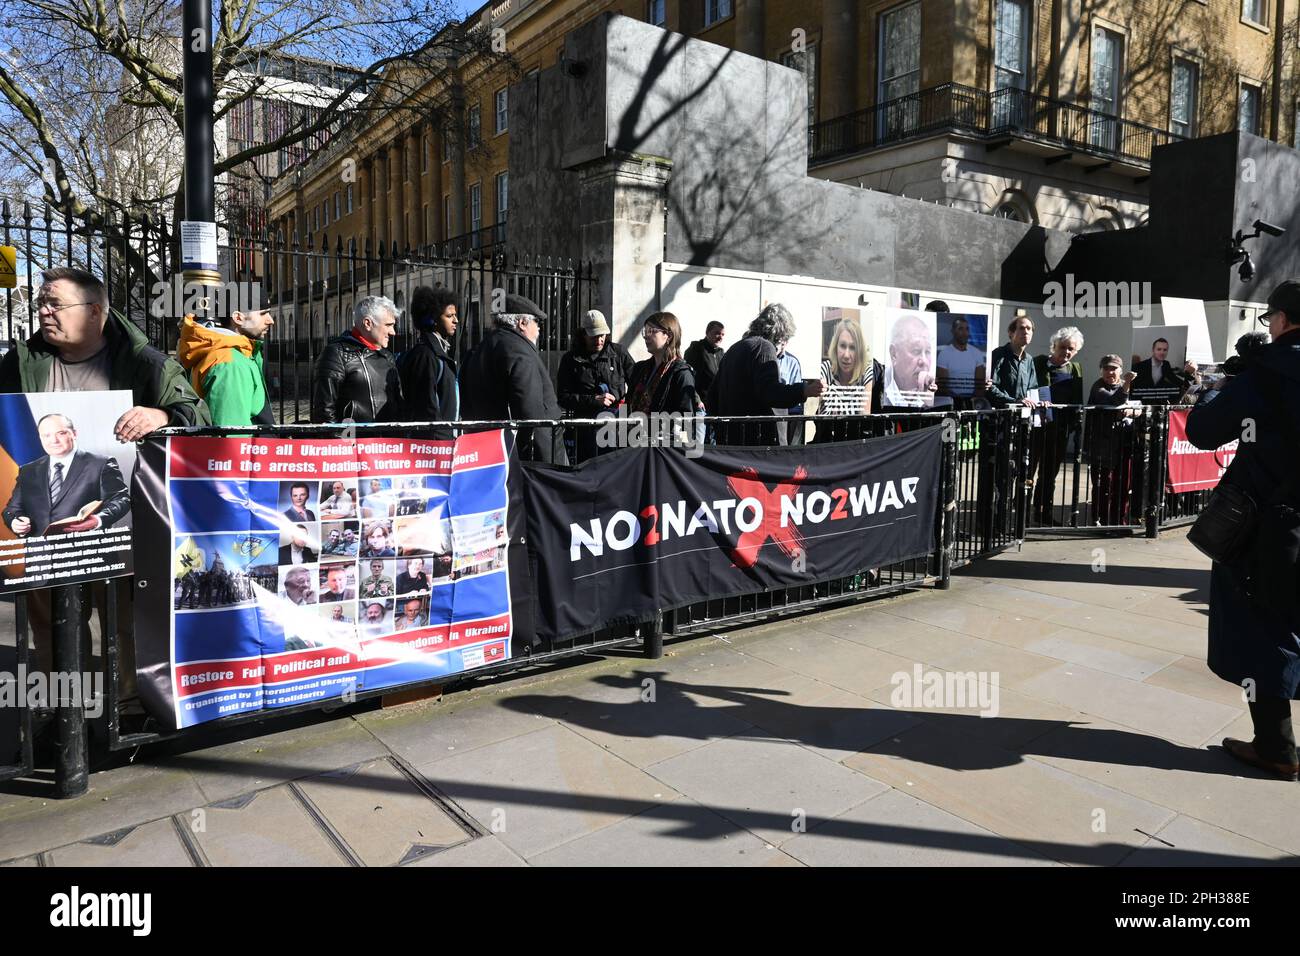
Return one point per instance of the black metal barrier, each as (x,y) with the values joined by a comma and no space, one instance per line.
(1103,470)
(989,461)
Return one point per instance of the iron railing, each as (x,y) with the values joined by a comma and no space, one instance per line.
(1006,112)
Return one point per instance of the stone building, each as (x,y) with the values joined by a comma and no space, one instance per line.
(1041,111)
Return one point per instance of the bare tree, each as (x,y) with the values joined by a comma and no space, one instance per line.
(91,92)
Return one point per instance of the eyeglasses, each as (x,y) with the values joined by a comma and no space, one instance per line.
(655,329)
(1264,318)
(49,305)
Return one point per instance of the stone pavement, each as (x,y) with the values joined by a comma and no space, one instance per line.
(775,745)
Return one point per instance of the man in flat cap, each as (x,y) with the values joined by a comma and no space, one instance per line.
(506,378)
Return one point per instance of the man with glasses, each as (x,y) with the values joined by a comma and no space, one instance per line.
(83,346)
(505,377)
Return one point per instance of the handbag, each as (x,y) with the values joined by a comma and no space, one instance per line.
(1226,525)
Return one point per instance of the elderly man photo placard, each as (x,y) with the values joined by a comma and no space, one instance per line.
(64,482)
(908,354)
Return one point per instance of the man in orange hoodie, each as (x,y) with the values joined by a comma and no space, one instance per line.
(224,360)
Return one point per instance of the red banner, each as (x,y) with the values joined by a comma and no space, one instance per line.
(1188,468)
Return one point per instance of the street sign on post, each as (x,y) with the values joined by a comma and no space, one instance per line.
(8,267)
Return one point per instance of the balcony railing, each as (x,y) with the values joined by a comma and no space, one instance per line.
(954,108)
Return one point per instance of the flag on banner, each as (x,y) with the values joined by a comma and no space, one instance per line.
(189,557)
(249,547)
(19,444)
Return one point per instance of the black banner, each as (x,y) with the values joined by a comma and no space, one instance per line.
(642,530)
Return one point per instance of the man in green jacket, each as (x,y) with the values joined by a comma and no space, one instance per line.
(83,346)
(224,360)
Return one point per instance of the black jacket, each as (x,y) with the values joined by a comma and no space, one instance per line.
(286,555)
(675,391)
(1144,388)
(427,374)
(1248,638)
(354,382)
(749,383)
(505,378)
(704,358)
(581,375)
(89,478)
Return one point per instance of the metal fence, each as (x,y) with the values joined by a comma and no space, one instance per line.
(93,617)
(1099,470)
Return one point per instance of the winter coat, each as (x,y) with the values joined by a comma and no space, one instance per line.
(354,381)
(226,371)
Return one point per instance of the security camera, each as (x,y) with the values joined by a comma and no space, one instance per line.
(1247,269)
(1262,226)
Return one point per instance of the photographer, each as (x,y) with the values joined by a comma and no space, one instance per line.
(1254,629)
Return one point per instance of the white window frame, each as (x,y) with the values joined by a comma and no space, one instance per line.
(349,205)
(1263,12)
(501,110)
(902,116)
(661,6)
(474,126)
(1104,132)
(1194,96)
(715,11)
(1026,45)
(502,195)
(800,61)
(1258,88)
(474,202)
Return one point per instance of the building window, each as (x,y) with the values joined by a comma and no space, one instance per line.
(338,206)
(1248,109)
(475,123)
(428,225)
(503,195)
(446,217)
(424,154)
(899,56)
(325,213)
(1011,46)
(349,206)
(1253,10)
(656,12)
(1009,210)
(389,162)
(475,207)
(501,102)
(446,146)
(715,10)
(1182,98)
(1295,134)
(1107,66)
(805,61)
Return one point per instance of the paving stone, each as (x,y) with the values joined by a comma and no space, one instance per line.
(842,664)
(896,829)
(267,828)
(738,779)
(121,797)
(870,627)
(1164,713)
(676,834)
(1019,719)
(381,814)
(1102,653)
(545,788)
(260,762)
(1166,635)
(21,861)
(426,731)
(151,844)
(1005,627)
(1206,784)
(954,651)
(1188,675)
(1193,614)
(1042,807)
(1185,841)
(484,851)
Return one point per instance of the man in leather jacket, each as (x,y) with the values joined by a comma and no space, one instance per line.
(356,376)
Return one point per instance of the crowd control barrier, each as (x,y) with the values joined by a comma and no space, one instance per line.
(982,502)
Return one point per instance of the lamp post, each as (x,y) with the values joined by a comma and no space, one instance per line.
(199,228)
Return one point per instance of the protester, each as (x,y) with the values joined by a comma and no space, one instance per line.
(664,382)
(1155,380)
(1109,441)
(224,359)
(1063,377)
(427,370)
(909,377)
(84,346)
(593,378)
(506,378)
(1254,626)
(704,355)
(959,368)
(749,381)
(791,433)
(1012,381)
(356,378)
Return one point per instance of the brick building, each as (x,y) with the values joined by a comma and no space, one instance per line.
(1045,111)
